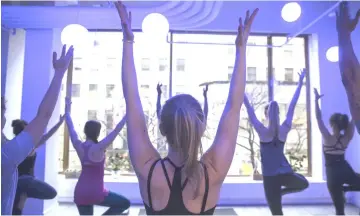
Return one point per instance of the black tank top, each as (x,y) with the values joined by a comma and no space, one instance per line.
(27,166)
(176,204)
(337,147)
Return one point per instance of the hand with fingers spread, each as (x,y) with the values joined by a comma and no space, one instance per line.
(245,28)
(344,23)
(158,88)
(302,75)
(317,95)
(205,90)
(125,18)
(61,65)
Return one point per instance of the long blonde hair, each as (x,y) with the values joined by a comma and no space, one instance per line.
(183,124)
(274,119)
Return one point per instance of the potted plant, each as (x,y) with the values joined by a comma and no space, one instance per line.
(72,173)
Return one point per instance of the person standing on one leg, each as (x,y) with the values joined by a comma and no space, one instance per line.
(28,185)
(348,63)
(14,151)
(338,170)
(89,189)
(276,170)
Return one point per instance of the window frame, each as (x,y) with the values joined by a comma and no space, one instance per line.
(172,67)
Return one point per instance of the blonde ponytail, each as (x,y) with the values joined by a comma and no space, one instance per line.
(188,132)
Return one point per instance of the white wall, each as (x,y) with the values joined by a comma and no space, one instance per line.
(14,77)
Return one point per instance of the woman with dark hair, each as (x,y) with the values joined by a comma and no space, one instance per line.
(28,186)
(14,151)
(89,189)
(338,170)
(180,184)
(279,177)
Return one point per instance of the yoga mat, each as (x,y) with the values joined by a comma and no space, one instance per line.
(218,211)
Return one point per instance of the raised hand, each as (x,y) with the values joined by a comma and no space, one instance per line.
(125,18)
(67,105)
(317,95)
(205,90)
(244,29)
(344,23)
(61,119)
(158,88)
(302,74)
(61,65)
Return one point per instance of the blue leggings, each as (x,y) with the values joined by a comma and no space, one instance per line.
(117,203)
(33,188)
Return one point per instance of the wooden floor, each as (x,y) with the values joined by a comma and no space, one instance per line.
(70,209)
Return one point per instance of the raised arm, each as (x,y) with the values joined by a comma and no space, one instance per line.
(323,130)
(70,125)
(16,150)
(142,152)
(38,125)
(206,107)
(103,144)
(51,132)
(158,102)
(220,155)
(259,127)
(349,133)
(294,100)
(348,63)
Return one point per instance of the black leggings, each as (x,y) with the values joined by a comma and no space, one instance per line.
(277,186)
(117,205)
(340,173)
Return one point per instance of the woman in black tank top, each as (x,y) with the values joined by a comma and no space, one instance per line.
(28,185)
(180,184)
(338,170)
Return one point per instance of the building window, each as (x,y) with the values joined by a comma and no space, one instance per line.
(230,72)
(288,54)
(109,119)
(145,64)
(180,64)
(110,90)
(289,75)
(231,50)
(75,90)
(145,86)
(92,115)
(251,74)
(163,64)
(93,87)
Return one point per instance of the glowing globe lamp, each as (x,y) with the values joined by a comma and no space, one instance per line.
(332,54)
(155,26)
(291,12)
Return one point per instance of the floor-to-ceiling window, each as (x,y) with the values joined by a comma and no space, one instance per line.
(192,59)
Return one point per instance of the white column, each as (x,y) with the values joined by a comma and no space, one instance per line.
(13,67)
(38,73)
(4,56)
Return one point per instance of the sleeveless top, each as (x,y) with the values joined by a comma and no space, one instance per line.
(89,189)
(273,160)
(175,205)
(332,159)
(27,166)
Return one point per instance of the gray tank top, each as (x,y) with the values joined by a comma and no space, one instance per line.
(273,160)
